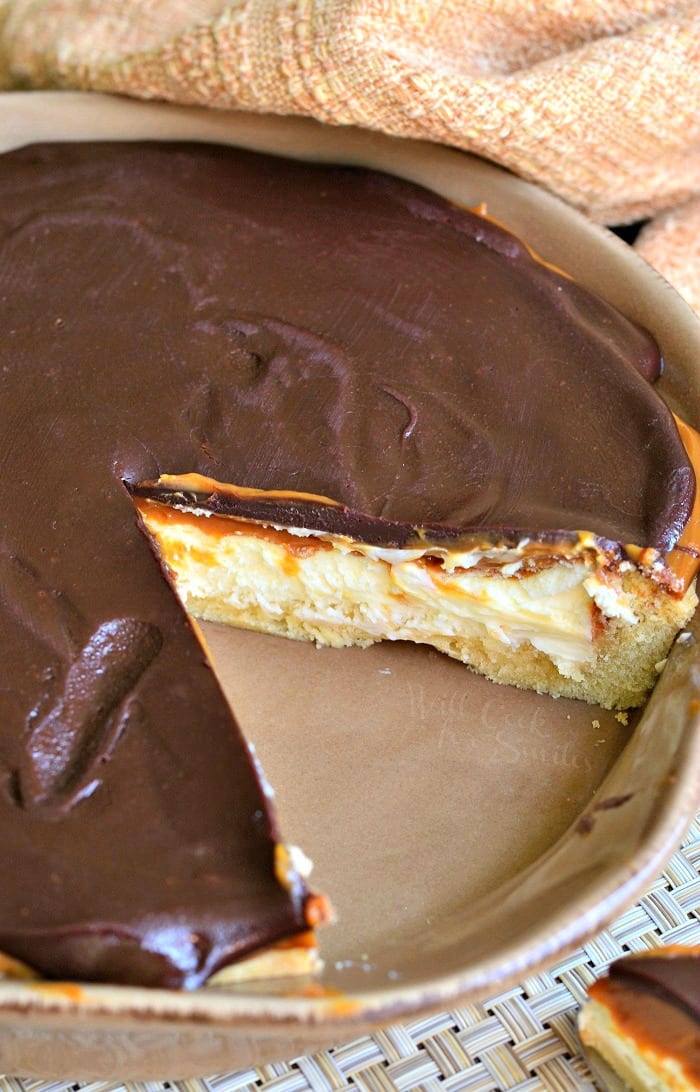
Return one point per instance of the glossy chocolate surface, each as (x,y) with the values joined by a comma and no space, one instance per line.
(278,326)
(675,978)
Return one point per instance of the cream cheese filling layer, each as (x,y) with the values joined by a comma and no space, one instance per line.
(338,591)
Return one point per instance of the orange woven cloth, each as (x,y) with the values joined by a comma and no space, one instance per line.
(598,102)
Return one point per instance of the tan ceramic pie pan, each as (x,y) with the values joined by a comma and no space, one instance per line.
(468,834)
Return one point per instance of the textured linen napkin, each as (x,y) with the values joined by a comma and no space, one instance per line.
(597,100)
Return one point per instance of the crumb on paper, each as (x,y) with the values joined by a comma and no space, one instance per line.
(659,666)
(685,637)
(622,717)
(595,723)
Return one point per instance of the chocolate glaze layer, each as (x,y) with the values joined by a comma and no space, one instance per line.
(675,979)
(429,374)
(279,326)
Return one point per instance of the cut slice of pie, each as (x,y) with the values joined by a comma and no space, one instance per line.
(643,1018)
(570,617)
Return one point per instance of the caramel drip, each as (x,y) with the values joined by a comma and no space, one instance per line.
(684,560)
(482,210)
(199,483)
(68,991)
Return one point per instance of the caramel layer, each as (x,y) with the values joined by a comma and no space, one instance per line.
(654,1023)
(684,560)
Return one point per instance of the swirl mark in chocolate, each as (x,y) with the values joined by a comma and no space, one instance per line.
(65,749)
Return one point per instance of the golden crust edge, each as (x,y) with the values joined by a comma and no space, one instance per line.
(641,1067)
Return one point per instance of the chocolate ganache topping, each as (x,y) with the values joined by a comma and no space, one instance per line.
(675,979)
(278,326)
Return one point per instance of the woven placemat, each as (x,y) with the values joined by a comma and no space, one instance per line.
(522,1040)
